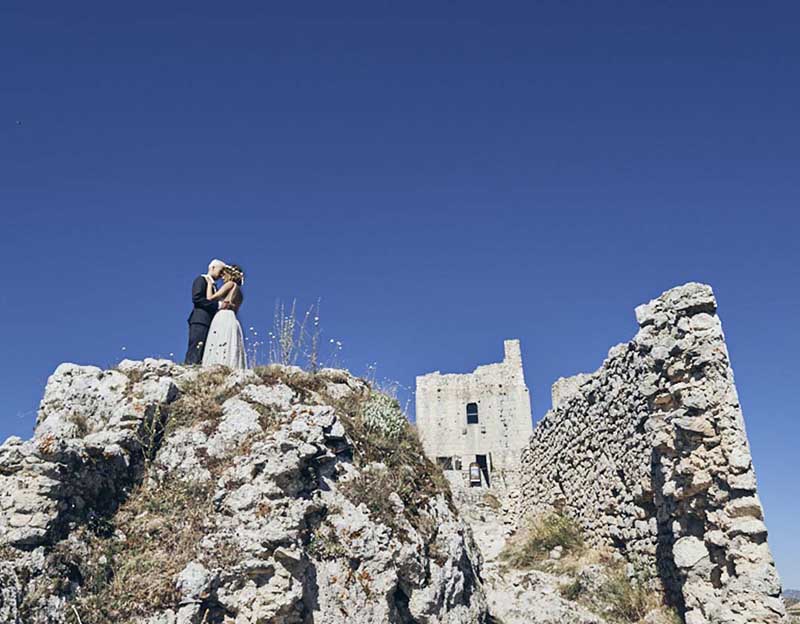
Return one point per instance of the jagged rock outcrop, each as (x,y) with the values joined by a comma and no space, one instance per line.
(161,494)
(649,454)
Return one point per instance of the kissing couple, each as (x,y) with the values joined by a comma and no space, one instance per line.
(215,335)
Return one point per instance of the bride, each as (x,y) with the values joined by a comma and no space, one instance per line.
(225,344)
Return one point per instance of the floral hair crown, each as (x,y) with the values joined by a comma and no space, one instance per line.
(235,273)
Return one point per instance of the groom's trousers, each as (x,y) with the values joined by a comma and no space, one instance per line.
(198,332)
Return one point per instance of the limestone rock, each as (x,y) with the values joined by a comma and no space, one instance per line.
(194,582)
(662,409)
(251,500)
(688,552)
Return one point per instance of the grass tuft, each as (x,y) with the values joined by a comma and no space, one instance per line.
(200,401)
(627,599)
(305,384)
(534,543)
(492,502)
(618,597)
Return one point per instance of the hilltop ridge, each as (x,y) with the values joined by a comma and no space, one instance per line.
(163,494)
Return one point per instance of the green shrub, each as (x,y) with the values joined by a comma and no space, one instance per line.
(382,413)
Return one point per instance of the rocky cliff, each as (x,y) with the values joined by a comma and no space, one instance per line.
(161,494)
(649,455)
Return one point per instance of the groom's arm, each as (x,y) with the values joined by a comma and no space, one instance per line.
(199,293)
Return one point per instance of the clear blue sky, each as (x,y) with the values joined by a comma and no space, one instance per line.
(443,175)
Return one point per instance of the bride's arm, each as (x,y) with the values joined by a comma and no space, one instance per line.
(221,293)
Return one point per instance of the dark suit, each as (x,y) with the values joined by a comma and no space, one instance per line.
(199,321)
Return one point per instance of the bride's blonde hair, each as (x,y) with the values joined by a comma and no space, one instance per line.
(233,273)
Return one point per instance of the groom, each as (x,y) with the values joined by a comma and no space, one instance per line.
(202,313)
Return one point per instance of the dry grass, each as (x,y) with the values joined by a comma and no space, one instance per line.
(793,609)
(492,502)
(131,576)
(408,472)
(618,598)
(372,488)
(129,568)
(532,545)
(200,401)
(8,553)
(269,418)
(81,424)
(305,384)
(627,599)
(573,590)
(134,375)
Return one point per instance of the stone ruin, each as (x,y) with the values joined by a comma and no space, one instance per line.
(649,455)
(475,425)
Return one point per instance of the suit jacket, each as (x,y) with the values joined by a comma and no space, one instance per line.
(204,310)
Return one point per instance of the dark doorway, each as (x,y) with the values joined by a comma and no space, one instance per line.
(484,466)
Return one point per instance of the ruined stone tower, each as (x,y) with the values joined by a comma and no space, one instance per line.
(475,425)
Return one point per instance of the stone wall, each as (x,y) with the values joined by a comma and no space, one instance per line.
(649,454)
(504,415)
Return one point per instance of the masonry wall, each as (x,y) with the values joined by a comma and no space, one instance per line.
(649,454)
(504,412)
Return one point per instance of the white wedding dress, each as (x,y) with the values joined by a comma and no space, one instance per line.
(225,342)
